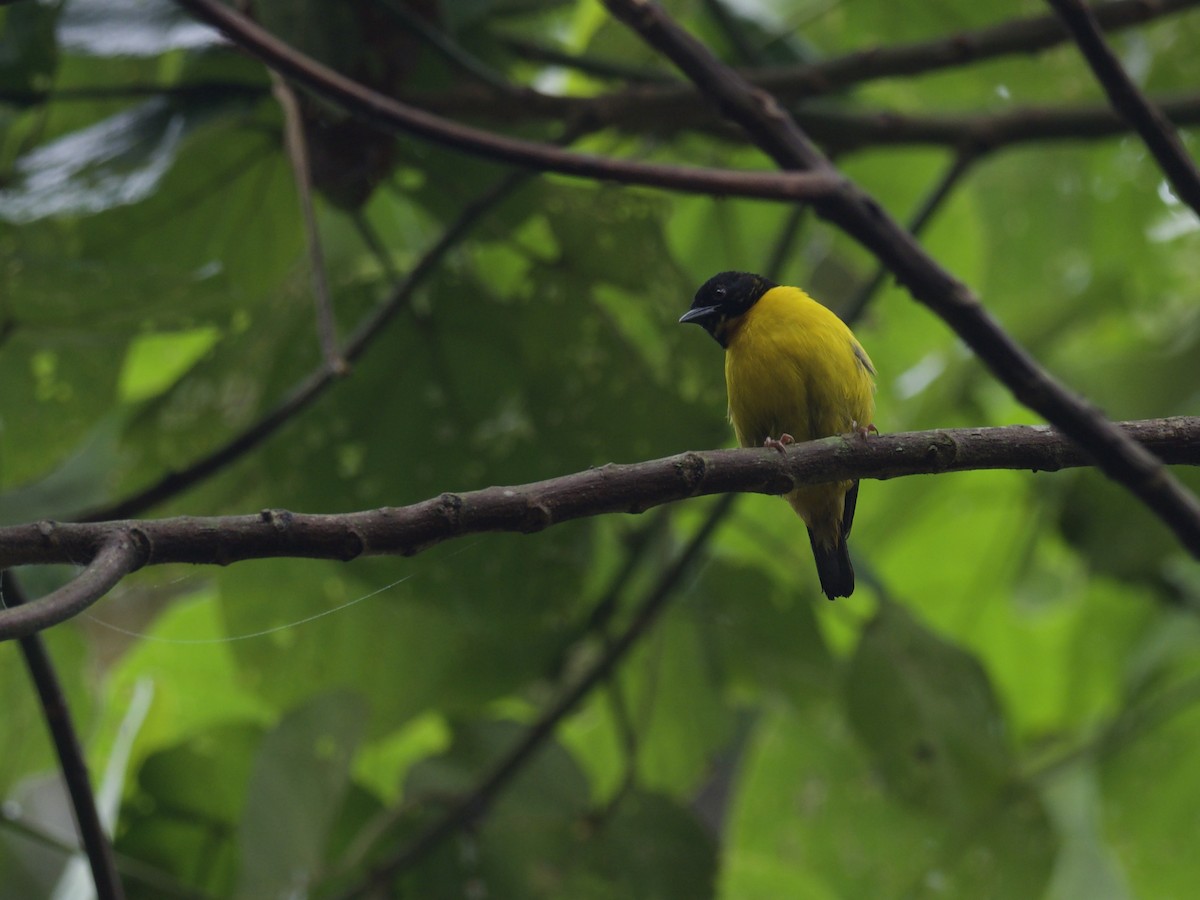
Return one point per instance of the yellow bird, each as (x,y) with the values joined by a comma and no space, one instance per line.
(794,372)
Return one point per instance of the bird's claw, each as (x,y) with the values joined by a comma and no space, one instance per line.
(863,432)
(779,443)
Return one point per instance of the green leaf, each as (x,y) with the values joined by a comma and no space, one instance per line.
(650,847)
(528,840)
(115,162)
(296,787)
(1087,866)
(185,656)
(182,816)
(1148,785)
(812,819)
(155,361)
(926,714)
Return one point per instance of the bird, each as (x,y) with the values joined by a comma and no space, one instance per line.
(794,372)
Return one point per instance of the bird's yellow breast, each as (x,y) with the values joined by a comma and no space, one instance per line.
(793,367)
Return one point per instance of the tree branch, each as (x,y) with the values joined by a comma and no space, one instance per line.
(1130,103)
(677,106)
(860,216)
(392,114)
(658,106)
(297,152)
(68,750)
(838,130)
(119,554)
(1018,36)
(589,65)
(627,488)
(845,131)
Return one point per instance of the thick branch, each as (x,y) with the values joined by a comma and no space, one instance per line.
(392,114)
(627,488)
(860,216)
(1150,123)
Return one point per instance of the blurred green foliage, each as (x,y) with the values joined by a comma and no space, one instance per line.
(1005,708)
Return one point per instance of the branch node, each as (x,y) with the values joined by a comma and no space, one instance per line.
(450,507)
(145,544)
(964,46)
(537,517)
(48,529)
(279,519)
(356,545)
(692,468)
(942,451)
(771,107)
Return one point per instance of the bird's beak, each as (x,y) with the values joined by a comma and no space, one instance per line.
(698,314)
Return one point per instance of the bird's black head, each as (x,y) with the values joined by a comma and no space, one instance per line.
(723,299)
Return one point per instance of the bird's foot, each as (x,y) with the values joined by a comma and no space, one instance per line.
(863,432)
(779,443)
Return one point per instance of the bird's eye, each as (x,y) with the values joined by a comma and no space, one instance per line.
(719,291)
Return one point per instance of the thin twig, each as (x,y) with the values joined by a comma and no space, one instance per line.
(475,804)
(304,392)
(387,112)
(842,130)
(846,131)
(374,243)
(297,153)
(588,65)
(734,32)
(860,216)
(450,49)
(782,247)
(309,388)
(932,202)
(111,561)
(1149,122)
(57,715)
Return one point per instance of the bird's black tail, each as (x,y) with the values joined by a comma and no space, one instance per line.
(833,566)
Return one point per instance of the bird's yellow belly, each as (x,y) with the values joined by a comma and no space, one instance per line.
(788,372)
(785,385)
